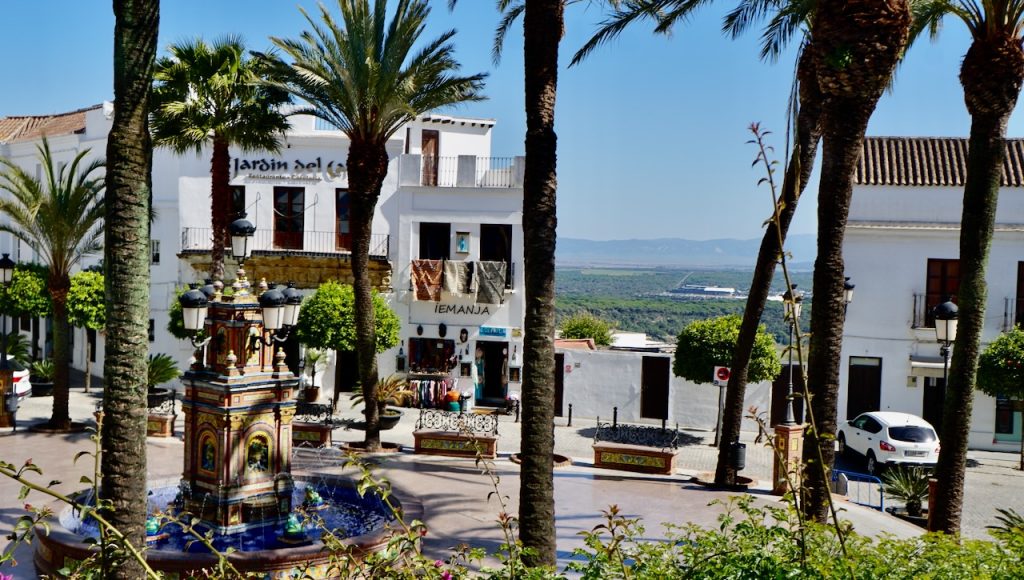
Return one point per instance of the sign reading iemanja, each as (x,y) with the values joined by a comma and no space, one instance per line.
(282,169)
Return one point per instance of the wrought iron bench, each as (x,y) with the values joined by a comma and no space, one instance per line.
(312,425)
(456,434)
(640,448)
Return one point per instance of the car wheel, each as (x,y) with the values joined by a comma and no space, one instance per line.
(872,464)
(843,449)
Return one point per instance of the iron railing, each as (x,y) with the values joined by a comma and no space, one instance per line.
(273,242)
(862,489)
(1011,315)
(465,171)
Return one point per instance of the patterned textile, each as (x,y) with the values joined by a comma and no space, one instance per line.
(459,281)
(426,279)
(491,277)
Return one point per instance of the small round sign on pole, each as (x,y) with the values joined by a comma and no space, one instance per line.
(721,377)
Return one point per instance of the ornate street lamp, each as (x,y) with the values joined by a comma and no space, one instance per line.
(792,300)
(11,401)
(946,315)
(847,294)
(194,306)
(280,314)
(242,231)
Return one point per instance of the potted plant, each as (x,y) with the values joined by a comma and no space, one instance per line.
(41,376)
(316,360)
(161,369)
(391,390)
(909,485)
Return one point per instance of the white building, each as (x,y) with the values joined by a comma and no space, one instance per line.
(444,198)
(902,249)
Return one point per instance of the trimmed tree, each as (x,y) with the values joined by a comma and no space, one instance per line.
(705,344)
(1001,371)
(26,296)
(328,320)
(87,308)
(587,325)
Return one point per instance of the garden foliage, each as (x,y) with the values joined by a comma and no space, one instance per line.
(705,344)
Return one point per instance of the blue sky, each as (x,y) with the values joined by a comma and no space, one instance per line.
(652,129)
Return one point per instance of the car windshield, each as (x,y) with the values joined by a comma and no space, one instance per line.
(912,434)
(15,365)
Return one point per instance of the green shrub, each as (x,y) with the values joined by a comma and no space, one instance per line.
(586,325)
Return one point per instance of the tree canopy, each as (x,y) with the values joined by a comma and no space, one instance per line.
(1001,366)
(27,293)
(87,305)
(705,344)
(587,325)
(327,319)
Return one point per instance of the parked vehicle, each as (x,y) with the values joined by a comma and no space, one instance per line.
(889,438)
(22,384)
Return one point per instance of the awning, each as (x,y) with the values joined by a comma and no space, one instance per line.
(926,366)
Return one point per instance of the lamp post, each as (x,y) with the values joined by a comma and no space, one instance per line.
(792,300)
(847,294)
(10,398)
(946,315)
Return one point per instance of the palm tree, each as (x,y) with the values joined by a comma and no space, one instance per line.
(543,24)
(126,258)
(856,46)
(991,73)
(59,217)
(362,77)
(789,18)
(205,94)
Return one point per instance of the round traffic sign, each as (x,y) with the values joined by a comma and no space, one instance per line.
(722,373)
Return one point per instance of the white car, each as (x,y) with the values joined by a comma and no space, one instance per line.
(888,438)
(22,385)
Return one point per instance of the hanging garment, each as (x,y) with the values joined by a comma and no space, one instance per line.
(426,279)
(491,282)
(459,281)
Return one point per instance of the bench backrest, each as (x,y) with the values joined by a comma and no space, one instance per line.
(313,413)
(642,435)
(441,420)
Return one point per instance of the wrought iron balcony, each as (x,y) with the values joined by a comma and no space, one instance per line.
(267,242)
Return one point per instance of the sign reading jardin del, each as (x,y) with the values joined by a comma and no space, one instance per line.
(294,170)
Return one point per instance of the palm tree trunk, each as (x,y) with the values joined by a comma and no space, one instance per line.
(88,362)
(220,204)
(542,31)
(367,166)
(856,46)
(126,257)
(59,285)
(798,172)
(992,74)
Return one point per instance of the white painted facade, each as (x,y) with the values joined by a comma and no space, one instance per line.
(893,231)
(471,189)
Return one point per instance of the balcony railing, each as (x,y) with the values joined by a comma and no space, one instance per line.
(1011,316)
(923,312)
(510,277)
(275,242)
(461,171)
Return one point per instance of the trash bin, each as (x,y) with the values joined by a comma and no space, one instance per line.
(737,455)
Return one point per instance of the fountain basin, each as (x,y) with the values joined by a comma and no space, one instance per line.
(363,522)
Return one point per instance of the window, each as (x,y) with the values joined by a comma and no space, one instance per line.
(154,251)
(943,282)
(237,201)
(1018,317)
(496,246)
(26,322)
(430,354)
(342,223)
(435,241)
(289,217)
(152,330)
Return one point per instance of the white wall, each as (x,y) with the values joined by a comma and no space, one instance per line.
(597,381)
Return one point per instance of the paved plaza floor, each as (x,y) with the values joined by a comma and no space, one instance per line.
(454,492)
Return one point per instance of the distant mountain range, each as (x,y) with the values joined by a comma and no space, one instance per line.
(677,252)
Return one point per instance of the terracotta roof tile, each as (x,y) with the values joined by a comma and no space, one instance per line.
(928,161)
(24,128)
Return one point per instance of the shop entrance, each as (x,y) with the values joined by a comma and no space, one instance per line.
(493,387)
